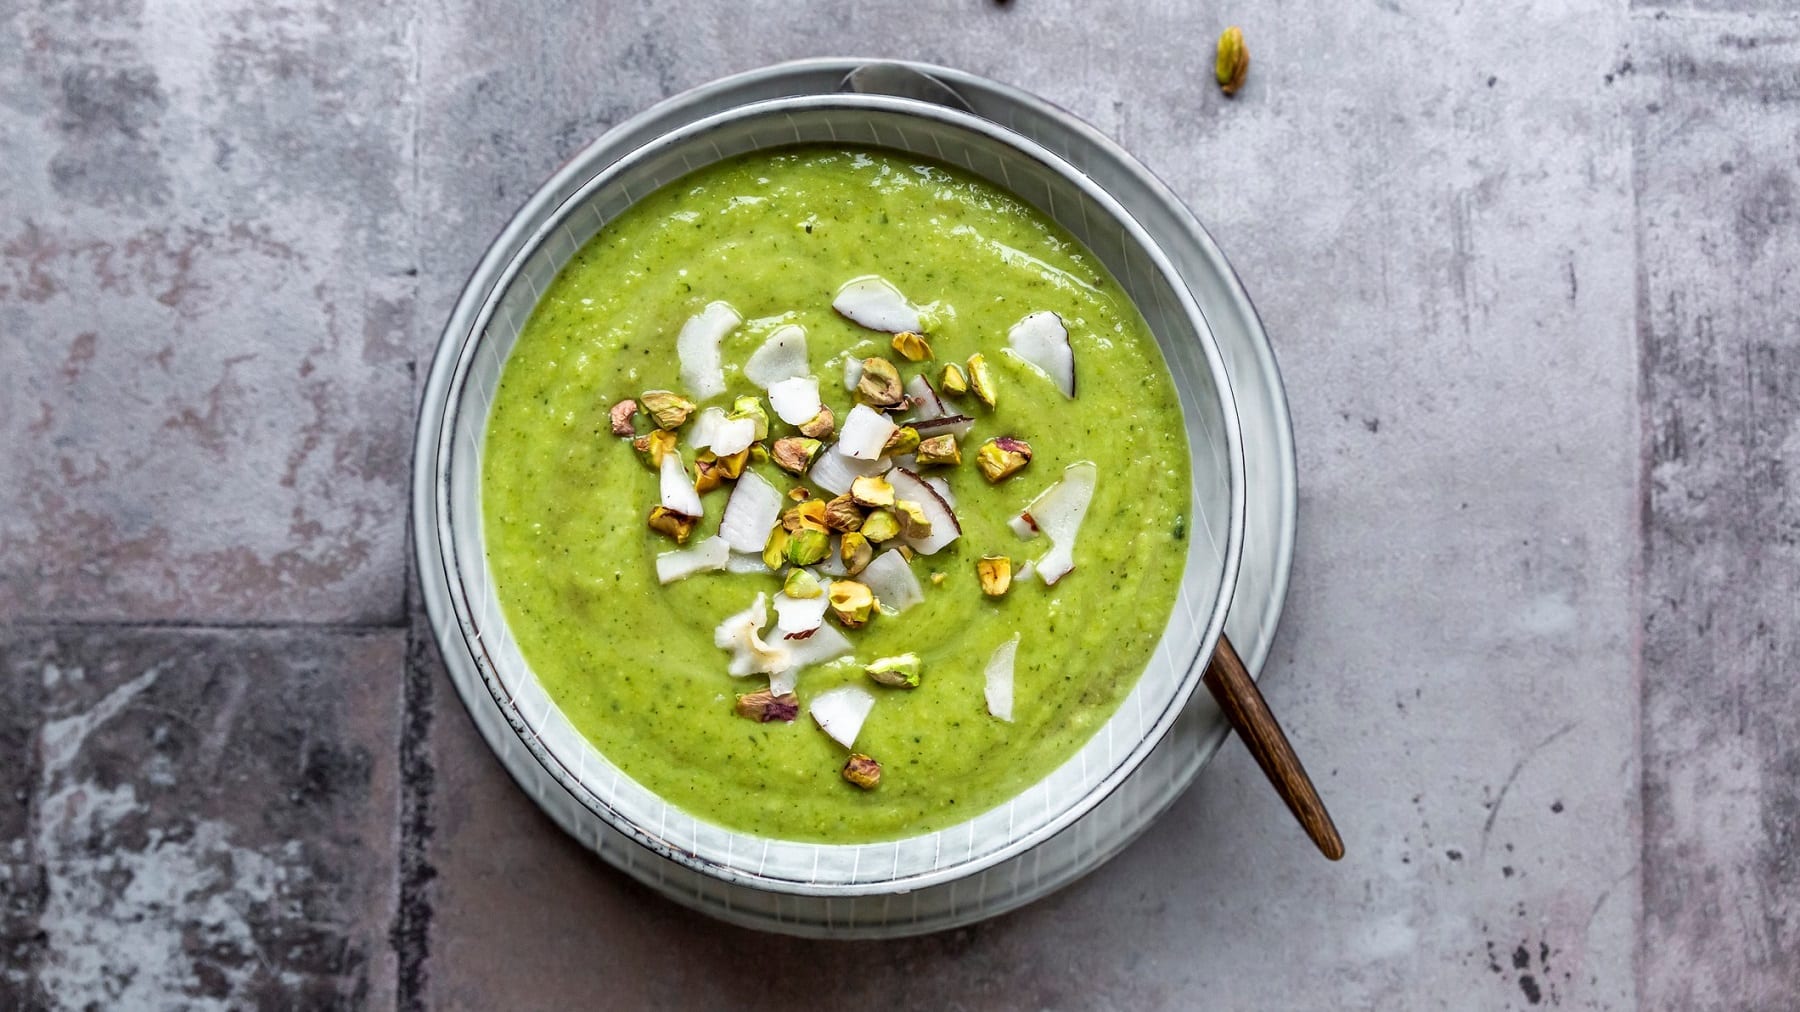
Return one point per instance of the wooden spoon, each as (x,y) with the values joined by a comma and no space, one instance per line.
(1244,706)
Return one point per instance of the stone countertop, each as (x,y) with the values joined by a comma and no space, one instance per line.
(1532,277)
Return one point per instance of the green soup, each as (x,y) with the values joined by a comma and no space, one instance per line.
(633,663)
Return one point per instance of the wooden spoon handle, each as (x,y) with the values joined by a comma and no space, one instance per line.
(1243,704)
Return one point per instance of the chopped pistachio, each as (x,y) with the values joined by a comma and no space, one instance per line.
(751,408)
(937,579)
(901,672)
(906,552)
(881,525)
(669,523)
(1002,457)
(795,453)
(953,381)
(939,450)
(622,413)
(995,572)
(842,514)
(1232,62)
(775,552)
(913,521)
(862,771)
(904,440)
(851,602)
(808,516)
(980,380)
(872,490)
(911,346)
(856,553)
(799,493)
(669,409)
(758,453)
(801,584)
(764,706)
(807,546)
(654,444)
(733,466)
(880,384)
(820,426)
(708,473)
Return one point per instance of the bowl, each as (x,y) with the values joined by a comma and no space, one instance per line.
(468,619)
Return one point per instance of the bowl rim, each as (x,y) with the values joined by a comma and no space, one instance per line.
(499,269)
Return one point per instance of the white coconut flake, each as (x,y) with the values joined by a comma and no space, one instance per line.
(1026,572)
(796,401)
(944,526)
(750,655)
(925,400)
(782,682)
(733,435)
(833,472)
(711,554)
(891,580)
(1058,512)
(942,488)
(705,427)
(1043,342)
(743,563)
(853,370)
(797,618)
(1022,525)
(697,348)
(874,303)
(865,433)
(678,489)
(825,644)
(953,425)
(1000,679)
(782,356)
(750,513)
(841,712)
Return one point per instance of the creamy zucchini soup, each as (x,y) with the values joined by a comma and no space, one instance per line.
(835,496)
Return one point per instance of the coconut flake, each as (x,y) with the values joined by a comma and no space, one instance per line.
(739,634)
(713,553)
(678,492)
(1043,342)
(705,427)
(750,513)
(1000,679)
(797,618)
(874,303)
(782,682)
(891,580)
(745,562)
(944,527)
(942,488)
(1058,512)
(841,712)
(833,472)
(825,644)
(1024,526)
(1026,572)
(697,348)
(713,430)
(865,433)
(782,356)
(952,425)
(796,400)
(926,402)
(853,370)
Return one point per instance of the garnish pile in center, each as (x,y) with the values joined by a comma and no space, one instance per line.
(783,485)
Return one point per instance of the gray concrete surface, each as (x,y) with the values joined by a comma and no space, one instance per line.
(1532,276)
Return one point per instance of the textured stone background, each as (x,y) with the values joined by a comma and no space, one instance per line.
(1532,274)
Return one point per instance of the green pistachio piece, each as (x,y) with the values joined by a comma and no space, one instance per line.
(913,521)
(733,466)
(900,672)
(1002,457)
(851,602)
(751,408)
(807,546)
(1232,62)
(795,453)
(904,440)
(802,585)
(856,552)
(911,346)
(775,552)
(995,572)
(872,490)
(764,706)
(808,516)
(654,444)
(621,414)
(671,524)
(669,409)
(862,771)
(939,450)
(881,525)
(842,514)
(980,380)
(708,472)
(880,384)
(820,426)
(953,381)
